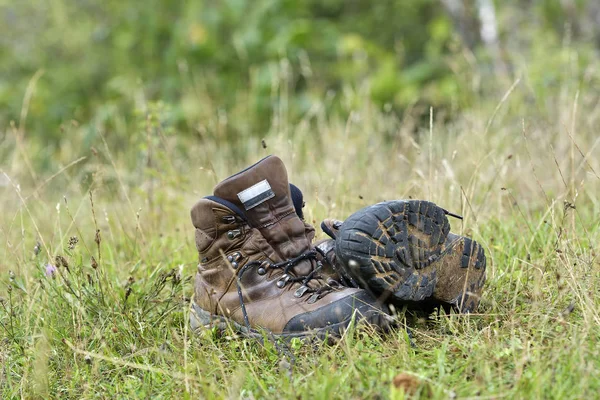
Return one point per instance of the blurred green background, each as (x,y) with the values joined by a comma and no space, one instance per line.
(116,116)
(231,69)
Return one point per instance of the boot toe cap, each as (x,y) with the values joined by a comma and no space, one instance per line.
(336,316)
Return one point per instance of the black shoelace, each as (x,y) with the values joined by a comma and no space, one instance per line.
(286,278)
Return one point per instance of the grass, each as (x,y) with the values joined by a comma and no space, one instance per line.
(112,321)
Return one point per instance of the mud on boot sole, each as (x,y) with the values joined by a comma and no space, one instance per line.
(201,319)
(390,248)
(467,279)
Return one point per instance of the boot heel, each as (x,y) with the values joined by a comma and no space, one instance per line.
(464,277)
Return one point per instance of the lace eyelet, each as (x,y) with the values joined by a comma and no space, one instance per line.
(234,264)
(228,219)
(280,284)
(300,291)
(233,234)
(261,271)
(230,258)
(313,299)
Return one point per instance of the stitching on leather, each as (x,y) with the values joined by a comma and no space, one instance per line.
(277,220)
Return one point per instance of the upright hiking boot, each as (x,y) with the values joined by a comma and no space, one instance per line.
(403,250)
(243,283)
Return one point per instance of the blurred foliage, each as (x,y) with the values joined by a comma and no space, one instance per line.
(233,68)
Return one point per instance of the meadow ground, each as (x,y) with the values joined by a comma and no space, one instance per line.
(112,321)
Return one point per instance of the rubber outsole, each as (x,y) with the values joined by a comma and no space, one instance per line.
(390,248)
(201,319)
(469,279)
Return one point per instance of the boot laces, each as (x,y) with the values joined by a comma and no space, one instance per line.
(288,276)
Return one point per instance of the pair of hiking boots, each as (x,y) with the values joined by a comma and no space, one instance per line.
(260,270)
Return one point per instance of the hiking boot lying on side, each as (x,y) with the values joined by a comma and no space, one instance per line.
(258,269)
(403,250)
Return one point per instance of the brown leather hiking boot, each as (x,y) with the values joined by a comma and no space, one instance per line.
(403,249)
(244,281)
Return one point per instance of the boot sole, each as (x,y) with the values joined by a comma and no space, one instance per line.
(468,279)
(390,247)
(201,319)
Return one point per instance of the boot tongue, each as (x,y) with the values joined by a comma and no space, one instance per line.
(262,191)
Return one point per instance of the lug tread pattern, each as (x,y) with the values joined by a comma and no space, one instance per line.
(388,245)
(473,257)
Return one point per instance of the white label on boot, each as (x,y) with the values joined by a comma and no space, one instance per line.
(256,194)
